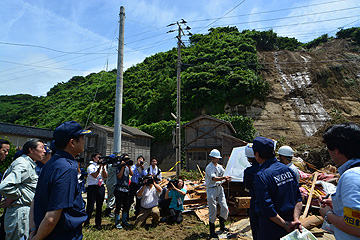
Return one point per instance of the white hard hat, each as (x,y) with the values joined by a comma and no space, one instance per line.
(215,153)
(286,151)
(249,152)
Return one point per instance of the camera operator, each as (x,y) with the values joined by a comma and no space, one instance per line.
(138,172)
(110,185)
(95,190)
(176,192)
(154,170)
(82,174)
(123,171)
(149,194)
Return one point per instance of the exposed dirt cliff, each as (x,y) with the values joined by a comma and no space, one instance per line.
(308,91)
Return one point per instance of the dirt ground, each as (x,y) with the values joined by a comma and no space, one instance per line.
(190,229)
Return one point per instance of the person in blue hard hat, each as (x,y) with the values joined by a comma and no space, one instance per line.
(214,177)
(249,174)
(58,209)
(278,198)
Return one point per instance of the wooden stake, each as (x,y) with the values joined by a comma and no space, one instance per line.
(310,196)
(202,176)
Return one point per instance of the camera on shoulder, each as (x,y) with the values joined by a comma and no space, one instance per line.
(174,182)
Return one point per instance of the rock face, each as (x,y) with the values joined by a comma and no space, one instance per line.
(308,89)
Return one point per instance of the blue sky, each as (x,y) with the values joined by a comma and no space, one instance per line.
(43,42)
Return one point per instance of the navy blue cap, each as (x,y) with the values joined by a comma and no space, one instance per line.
(68,130)
(112,156)
(19,153)
(52,146)
(47,149)
(263,145)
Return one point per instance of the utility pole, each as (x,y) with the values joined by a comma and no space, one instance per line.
(119,86)
(178,95)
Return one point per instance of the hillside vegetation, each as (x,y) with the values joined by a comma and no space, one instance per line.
(218,68)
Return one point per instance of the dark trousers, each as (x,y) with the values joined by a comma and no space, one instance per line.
(267,226)
(95,194)
(2,226)
(175,216)
(254,222)
(121,201)
(132,194)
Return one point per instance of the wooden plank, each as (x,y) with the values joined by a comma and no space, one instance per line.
(203,215)
(242,202)
(194,201)
(202,175)
(310,196)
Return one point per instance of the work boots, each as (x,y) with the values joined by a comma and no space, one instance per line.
(222,225)
(212,230)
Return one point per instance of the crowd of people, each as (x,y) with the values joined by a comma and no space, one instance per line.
(42,189)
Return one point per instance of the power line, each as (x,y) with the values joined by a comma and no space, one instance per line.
(271,11)
(305,23)
(222,16)
(47,48)
(297,16)
(37,66)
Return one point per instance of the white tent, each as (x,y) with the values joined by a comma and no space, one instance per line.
(237,164)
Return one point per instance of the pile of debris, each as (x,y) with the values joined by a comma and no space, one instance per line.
(314,184)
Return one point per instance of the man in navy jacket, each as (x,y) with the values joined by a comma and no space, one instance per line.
(277,193)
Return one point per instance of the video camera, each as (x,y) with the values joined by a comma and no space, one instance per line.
(107,160)
(80,160)
(116,161)
(147,180)
(174,182)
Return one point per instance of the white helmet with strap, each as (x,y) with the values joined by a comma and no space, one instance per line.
(215,153)
(286,151)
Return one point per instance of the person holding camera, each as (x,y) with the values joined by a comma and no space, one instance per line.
(96,189)
(138,173)
(123,171)
(82,174)
(110,184)
(177,192)
(149,194)
(154,170)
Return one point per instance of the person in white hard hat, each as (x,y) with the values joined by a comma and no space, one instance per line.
(249,173)
(286,154)
(215,193)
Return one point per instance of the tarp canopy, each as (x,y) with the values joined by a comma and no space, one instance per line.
(237,164)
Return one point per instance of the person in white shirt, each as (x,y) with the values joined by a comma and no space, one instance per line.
(154,170)
(149,194)
(286,154)
(96,189)
(214,177)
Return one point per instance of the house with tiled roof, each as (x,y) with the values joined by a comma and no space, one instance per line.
(204,133)
(19,134)
(133,141)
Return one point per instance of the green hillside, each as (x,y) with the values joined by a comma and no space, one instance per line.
(217,68)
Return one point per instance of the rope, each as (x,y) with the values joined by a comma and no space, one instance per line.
(173,166)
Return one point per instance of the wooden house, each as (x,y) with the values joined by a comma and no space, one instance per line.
(18,135)
(133,141)
(205,133)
